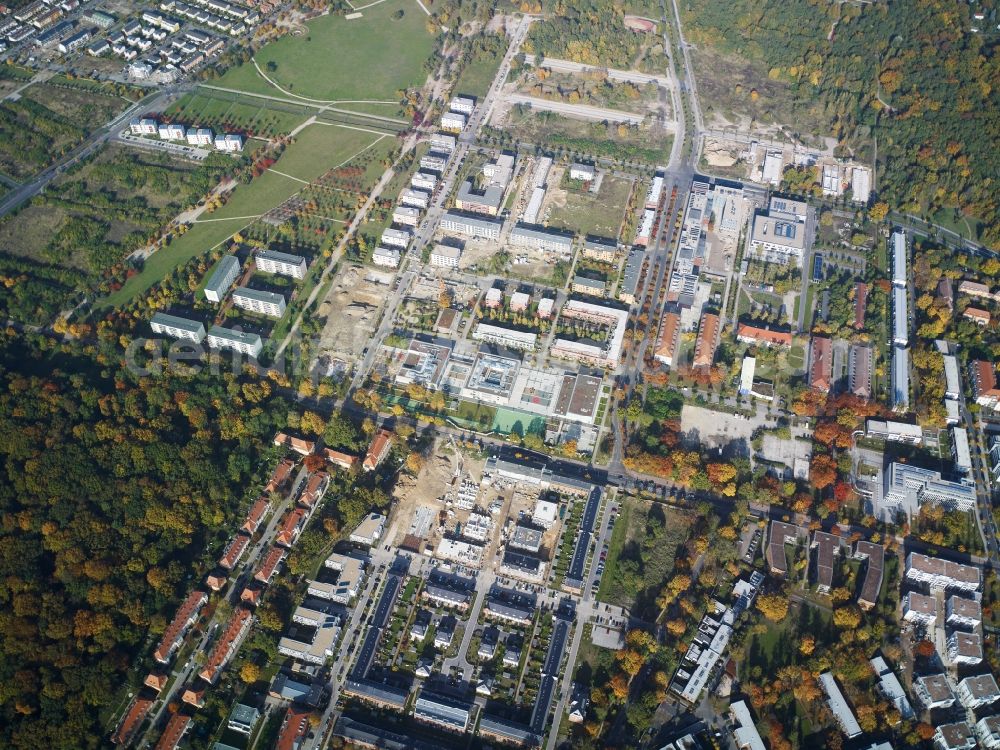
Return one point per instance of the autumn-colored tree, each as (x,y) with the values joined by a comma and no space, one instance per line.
(619,686)
(807,644)
(847,617)
(630,661)
(315,462)
(773,606)
(249,672)
(924,649)
(822,471)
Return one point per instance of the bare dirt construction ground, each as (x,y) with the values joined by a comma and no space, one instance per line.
(478,255)
(351,310)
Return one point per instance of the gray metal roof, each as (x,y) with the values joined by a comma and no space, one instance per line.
(217,282)
(236,336)
(183,324)
(269,298)
(281,257)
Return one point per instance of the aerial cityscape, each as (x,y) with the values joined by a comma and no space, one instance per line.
(450,374)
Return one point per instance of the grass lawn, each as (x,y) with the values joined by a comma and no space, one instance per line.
(475,80)
(317,149)
(598,213)
(218,109)
(370,58)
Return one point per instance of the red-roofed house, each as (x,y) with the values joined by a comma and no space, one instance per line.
(280,475)
(293,729)
(763,336)
(194,697)
(340,460)
(172,735)
(255,515)
(216,580)
(977,316)
(251,594)
(378,450)
(234,551)
(131,720)
(314,489)
(186,616)
(156,680)
(270,564)
(299,445)
(984,383)
(860,304)
(667,338)
(227,644)
(705,344)
(821,363)
(291,527)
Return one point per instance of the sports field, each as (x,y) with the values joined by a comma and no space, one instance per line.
(316,149)
(367,59)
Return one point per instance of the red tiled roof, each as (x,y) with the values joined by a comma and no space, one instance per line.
(860,304)
(185,616)
(222,651)
(668,336)
(378,449)
(255,515)
(293,729)
(984,377)
(299,445)
(270,564)
(193,697)
(974,313)
(280,475)
(704,347)
(175,730)
(289,528)
(251,595)
(343,460)
(311,492)
(821,363)
(131,720)
(156,681)
(234,551)
(216,581)
(763,335)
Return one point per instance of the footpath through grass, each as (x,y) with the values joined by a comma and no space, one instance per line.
(368,58)
(316,149)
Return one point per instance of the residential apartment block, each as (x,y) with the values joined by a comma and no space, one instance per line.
(286,264)
(255,300)
(222,278)
(178,328)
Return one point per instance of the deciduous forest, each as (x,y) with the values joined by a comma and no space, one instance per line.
(115,491)
(913,77)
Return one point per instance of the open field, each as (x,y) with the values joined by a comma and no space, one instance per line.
(317,149)
(580,210)
(116,194)
(593,138)
(385,53)
(208,108)
(478,74)
(642,552)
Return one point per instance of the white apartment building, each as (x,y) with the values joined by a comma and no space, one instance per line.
(965,648)
(942,574)
(230,142)
(178,328)
(286,264)
(200,137)
(976,692)
(585,172)
(779,236)
(513,339)
(471,226)
(934,691)
(453,122)
(414,198)
(222,278)
(255,300)
(386,257)
(396,237)
(547,240)
(919,609)
(423,181)
(463,104)
(445,256)
(988,731)
(144,126)
(224,338)
(171,132)
(406,215)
